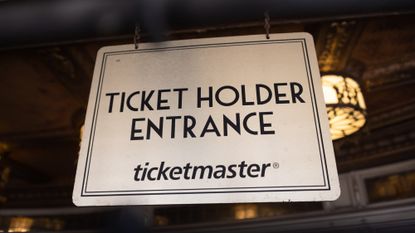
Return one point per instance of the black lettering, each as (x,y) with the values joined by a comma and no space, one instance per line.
(173,124)
(231,169)
(186,171)
(236,126)
(242,166)
(278,95)
(258,88)
(206,129)
(129,101)
(145,100)
(243,97)
(122,102)
(175,171)
(180,96)
(111,95)
(202,171)
(245,123)
(263,125)
(232,102)
(137,172)
(143,177)
(161,101)
(162,172)
(264,167)
(149,173)
(187,129)
(158,129)
(252,169)
(208,98)
(220,172)
(296,95)
(135,131)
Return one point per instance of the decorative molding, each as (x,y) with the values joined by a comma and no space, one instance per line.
(392,115)
(38,196)
(335,45)
(394,80)
(392,74)
(388,135)
(374,149)
(71,69)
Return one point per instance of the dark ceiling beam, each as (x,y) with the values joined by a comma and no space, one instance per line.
(23,171)
(27,22)
(40,137)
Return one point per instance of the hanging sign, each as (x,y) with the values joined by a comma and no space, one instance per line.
(235,119)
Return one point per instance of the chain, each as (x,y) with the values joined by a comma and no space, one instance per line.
(267,25)
(137,35)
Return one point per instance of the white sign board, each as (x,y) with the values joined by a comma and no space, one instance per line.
(236,119)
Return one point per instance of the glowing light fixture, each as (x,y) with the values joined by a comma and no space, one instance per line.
(245,211)
(4,171)
(3,147)
(20,224)
(345,104)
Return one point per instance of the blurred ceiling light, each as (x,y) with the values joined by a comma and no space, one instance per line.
(81,131)
(20,224)
(244,211)
(4,172)
(345,104)
(3,148)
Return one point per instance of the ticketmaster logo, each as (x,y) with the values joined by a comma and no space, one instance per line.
(192,172)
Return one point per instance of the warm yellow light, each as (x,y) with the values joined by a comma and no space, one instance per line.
(3,147)
(345,104)
(244,211)
(20,224)
(81,131)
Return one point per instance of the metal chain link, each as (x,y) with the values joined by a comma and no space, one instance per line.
(137,35)
(267,25)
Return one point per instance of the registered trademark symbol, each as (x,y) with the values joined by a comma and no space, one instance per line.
(275,165)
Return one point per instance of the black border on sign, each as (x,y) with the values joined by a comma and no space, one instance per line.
(324,187)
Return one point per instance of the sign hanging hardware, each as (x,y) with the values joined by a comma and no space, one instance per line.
(137,31)
(267,25)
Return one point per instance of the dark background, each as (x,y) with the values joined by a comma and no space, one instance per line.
(47,55)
